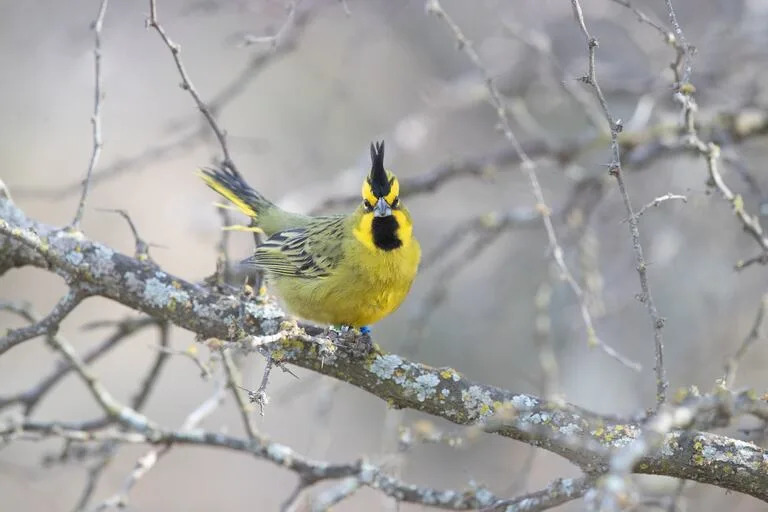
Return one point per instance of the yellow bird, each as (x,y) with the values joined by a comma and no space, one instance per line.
(339,270)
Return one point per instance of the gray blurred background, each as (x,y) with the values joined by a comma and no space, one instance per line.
(299,126)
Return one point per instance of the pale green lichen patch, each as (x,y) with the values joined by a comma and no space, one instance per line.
(73,235)
(536,418)
(268,315)
(424,386)
(74,257)
(478,402)
(384,366)
(733,452)
(280,453)
(102,264)
(670,445)
(411,378)
(160,294)
(133,283)
(524,402)
(570,429)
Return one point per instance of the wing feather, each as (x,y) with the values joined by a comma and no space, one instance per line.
(310,252)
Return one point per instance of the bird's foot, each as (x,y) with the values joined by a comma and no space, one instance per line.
(346,336)
(363,342)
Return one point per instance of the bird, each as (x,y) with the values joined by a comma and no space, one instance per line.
(343,271)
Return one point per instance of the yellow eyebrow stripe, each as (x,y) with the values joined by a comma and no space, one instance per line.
(368,193)
(394,191)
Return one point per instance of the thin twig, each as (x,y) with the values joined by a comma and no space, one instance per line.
(656,202)
(550,370)
(687,50)
(274,39)
(31,397)
(234,383)
(190,353)
(140,399)
(147,461)
(643,18)
(187,85)
(48,325)
(615,126)
(529,167)
(98,95)
(94,475)
(710,151)
(755,333)
(556,493)
(141,248)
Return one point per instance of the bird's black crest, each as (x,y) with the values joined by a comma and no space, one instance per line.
(380,185)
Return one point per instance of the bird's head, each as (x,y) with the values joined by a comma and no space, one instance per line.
(385,223)
(381,189)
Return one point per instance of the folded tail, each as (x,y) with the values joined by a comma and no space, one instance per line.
(230,184)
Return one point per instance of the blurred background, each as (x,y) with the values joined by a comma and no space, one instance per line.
(300,110)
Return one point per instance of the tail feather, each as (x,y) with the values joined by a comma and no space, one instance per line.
(230,184)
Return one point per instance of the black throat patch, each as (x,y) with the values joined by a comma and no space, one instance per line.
(385,233)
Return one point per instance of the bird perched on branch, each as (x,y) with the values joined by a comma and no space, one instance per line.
(339,270)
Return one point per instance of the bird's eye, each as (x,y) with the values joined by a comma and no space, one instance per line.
(396,202)
(367,205)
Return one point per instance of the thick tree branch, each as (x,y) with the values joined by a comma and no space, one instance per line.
(584,438)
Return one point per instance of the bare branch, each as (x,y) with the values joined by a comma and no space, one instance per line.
(187,85)
(140,399)
(96,117)
(615,169)
(31,397)
(234,383)
(48,325)
(564,429)
(529,167)
(614,490)
(190,353)
(656,202)
(755,334)
(141,251)
(643,18)
(275,39)
(558,492)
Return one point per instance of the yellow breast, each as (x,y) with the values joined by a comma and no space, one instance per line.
(368,285)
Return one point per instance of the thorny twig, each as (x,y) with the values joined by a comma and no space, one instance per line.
(141,250)
(529,167)
(187,141)
(615,126)
(98,95)
(684,91)
(187,85)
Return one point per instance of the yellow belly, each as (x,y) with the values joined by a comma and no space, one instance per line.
(366,286)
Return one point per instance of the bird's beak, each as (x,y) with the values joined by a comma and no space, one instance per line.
(382,208)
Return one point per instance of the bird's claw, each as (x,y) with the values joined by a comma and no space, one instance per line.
(346,336)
